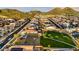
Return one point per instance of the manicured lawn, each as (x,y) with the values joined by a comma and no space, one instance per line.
(53,38)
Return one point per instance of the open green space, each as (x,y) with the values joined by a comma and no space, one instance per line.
(57,40)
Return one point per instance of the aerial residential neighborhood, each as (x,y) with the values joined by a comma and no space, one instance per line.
(39,30)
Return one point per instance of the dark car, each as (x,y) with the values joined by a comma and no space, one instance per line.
(75,34)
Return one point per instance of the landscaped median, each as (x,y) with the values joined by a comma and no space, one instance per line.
(57,39)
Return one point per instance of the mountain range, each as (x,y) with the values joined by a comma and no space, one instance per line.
(13,13)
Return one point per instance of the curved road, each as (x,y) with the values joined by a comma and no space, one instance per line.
(57,25)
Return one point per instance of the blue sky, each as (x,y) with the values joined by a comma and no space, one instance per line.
(26,9)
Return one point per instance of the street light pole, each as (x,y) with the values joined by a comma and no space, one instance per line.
(34,44)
